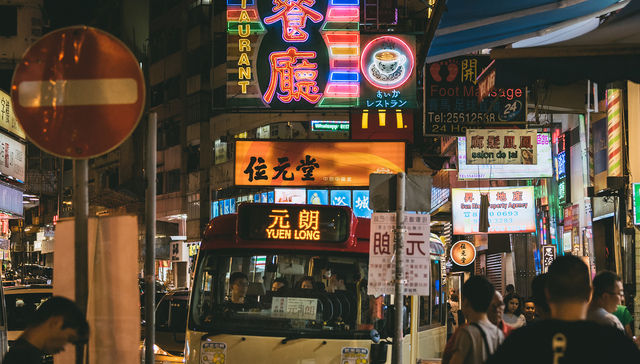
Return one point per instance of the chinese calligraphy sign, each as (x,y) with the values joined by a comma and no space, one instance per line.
(501,146)
(463,253)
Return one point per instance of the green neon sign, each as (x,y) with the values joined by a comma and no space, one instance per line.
(636,203)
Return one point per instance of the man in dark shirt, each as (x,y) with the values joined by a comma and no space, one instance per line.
(566,337)
(56,323)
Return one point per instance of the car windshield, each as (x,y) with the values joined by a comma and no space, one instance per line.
(291,295)
(21,307)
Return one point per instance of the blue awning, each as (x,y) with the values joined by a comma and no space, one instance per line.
(471,25)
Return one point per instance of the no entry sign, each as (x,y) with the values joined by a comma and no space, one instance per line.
(78,92)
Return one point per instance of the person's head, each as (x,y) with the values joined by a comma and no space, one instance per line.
(57,322)
(539,297)
(607,290)
(512,304)
(239,283)
(279,283)
(338,279)
(510,288)
(529,309)
(496,309)
(568,281)
(307,283)
(454,298)
(477,293)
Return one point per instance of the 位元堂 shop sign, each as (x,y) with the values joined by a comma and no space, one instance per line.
(293,54)
(502,146)
(511,210)
(315,163)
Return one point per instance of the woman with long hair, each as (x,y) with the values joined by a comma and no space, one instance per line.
(513,311)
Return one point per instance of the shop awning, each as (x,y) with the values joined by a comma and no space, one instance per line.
(609,53)
(471,25)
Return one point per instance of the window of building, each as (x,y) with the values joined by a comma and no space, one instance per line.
(173,181)
(156,47)
(193,157)
(156,94)
(193,206)
(159,183)
(173,41)
(198,108)
(168,134)
(8,21)
(156,8)
(220,50)
(198,14)
(172,87)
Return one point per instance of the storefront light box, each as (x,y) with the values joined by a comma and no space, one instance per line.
(511,210)
(329,125)
(636,203)
(544,168)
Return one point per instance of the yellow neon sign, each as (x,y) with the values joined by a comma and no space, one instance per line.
(280,227)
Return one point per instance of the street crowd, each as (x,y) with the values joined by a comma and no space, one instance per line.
(569,319)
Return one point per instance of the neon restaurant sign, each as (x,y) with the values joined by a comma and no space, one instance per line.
(306,54)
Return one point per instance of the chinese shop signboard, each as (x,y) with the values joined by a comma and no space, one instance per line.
(300,54)
(463,253)
(307,54)
(416,263)
(8,119)
(548,256)
(388,67)
(502,146)
(452,98)
(544,168)
(12,158)
(511,210)
(315,163)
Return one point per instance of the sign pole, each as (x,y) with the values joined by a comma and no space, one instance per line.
(399,278)
(81,213)
(150,240)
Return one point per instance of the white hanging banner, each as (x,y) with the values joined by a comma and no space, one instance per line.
(502,146)
(416,263)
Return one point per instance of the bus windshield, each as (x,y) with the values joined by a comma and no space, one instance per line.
(292,295)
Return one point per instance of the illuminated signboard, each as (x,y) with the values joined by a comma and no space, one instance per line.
(8,119)
(506,171)
(502,146)
(329,125)
(290,195)
(315,163)
(318,197)
(636,203)
(265,222)
(293,54)
(388,66)
(463,253)
(340,197)
(511,210)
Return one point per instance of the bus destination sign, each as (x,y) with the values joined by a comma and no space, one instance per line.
(296,223)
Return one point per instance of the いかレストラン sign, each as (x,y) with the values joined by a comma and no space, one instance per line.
(502,146)
(300,54)
(511,210)
(315,163)
(388,67)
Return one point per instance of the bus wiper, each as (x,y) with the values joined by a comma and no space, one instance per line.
(290,338)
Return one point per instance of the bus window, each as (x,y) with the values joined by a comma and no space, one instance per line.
(432,307)
(233,294)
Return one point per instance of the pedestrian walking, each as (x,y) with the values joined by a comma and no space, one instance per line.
(475,342)
(607,295)
(567,337)
(513,311)
(57,322)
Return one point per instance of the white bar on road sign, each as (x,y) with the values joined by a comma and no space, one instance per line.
(106,91)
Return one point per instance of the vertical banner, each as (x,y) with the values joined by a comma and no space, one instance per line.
(417,258)
(113,308)
(548,256)
(614,126)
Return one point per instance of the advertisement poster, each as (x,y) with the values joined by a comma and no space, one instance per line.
(213,353)
(293,54)
(318,197)
(340,198)
(452,98)
(8,119)
(354,356)
(511,210)
(502,146)
(417,261)
(361,203)
(388,67)
(12,158)
(543,169)
(315,163)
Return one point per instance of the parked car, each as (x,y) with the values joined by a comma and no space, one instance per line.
(21,303)
(171,326)
(161,290)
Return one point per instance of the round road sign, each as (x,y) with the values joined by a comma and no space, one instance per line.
(78,92)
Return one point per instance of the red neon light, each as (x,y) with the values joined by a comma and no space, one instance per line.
(351,90)
(343,14)
(234,15)
(293,14)
(345,63)
(297,80)
(343,38)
